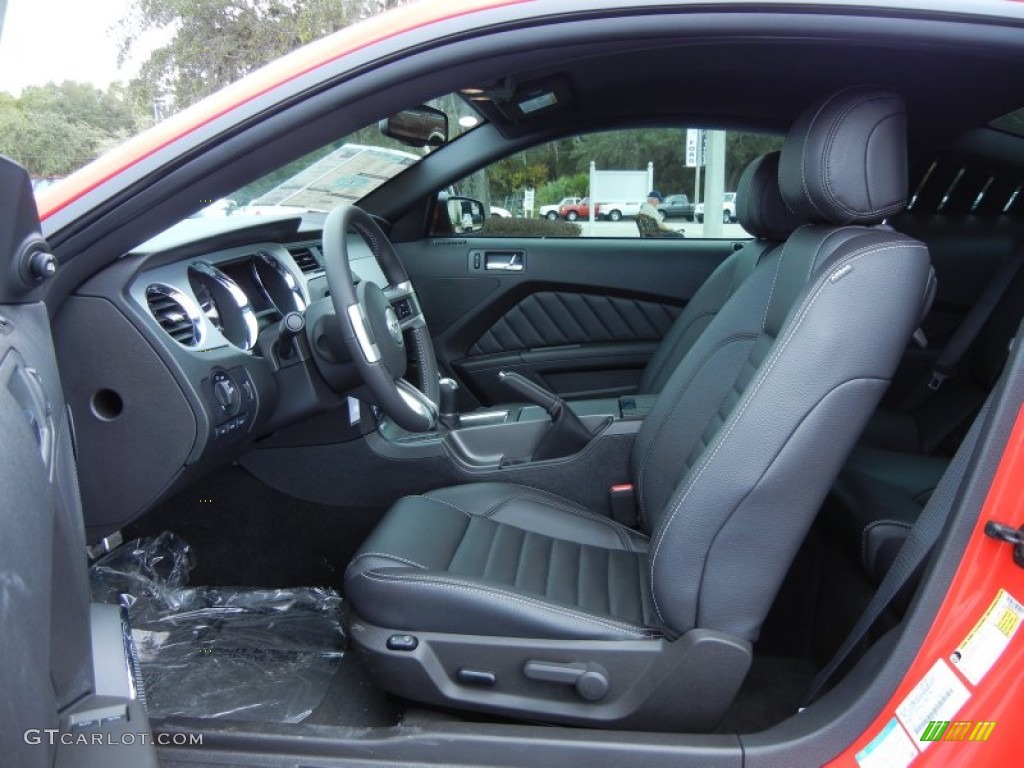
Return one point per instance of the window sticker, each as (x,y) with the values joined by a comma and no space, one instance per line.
(891,748)
(938,696)
(984,644)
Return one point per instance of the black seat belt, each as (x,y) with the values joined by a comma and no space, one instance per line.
(963,337)
(920,540)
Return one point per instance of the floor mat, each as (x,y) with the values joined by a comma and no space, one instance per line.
(267,655)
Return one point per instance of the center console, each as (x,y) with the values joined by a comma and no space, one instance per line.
(516,435)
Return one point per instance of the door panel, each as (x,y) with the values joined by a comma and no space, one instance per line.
(46,670)
(581,316)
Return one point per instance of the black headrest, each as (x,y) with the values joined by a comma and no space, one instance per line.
(844,160)
(759,204)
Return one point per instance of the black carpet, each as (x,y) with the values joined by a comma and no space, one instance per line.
(773,690)
(245,533)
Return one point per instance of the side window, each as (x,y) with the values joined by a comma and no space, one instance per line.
(599,185)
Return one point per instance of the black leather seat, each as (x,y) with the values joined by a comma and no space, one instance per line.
(876,500)
(502,598)
(763,213)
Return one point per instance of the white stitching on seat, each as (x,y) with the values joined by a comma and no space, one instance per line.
(740,408)
(387,557)
(556,502)
(447,504)
(631,629)
(652,441)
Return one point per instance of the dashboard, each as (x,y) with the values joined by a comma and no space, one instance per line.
(200,372)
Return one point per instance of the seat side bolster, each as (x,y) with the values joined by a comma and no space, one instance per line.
(474,606)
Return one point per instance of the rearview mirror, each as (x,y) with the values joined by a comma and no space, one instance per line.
(466,214)
(420,126)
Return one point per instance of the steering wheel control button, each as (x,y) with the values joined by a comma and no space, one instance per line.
(402,643)
(403,309)
(478,677)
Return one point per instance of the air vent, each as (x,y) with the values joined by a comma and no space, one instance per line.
(175,313)
(305,258)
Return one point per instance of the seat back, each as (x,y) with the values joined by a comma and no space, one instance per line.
(763,213)
(753,425)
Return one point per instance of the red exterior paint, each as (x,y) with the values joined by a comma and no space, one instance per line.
(987,566)
(366,33)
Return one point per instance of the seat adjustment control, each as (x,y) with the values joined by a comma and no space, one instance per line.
(590,679)
(479,677)
(402,643)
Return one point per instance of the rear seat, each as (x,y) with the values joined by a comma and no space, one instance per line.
(935,423)
(876,499)
(888,480)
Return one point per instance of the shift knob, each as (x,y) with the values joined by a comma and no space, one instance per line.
(448,408)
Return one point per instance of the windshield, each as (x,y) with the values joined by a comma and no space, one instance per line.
(344,171)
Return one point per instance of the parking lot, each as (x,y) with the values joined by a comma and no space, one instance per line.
(627,228)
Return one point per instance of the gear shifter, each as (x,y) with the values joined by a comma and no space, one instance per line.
(448,407)
(567,435)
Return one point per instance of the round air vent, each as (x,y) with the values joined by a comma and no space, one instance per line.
(225,304)
(278,282)
(176,313)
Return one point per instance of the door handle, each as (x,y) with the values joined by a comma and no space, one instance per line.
(505,261)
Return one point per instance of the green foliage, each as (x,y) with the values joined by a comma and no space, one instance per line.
(510,176)
(217,42)
(741,149)
(499,227)
(53,129)
(568,161)
(564,186)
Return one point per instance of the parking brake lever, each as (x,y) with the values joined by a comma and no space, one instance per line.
(567,435)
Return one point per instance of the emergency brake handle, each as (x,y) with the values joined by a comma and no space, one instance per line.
(567,434)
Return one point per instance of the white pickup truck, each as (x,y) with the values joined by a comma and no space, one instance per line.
(728,209)
(615,211)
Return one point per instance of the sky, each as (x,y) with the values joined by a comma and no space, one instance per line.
(57,40)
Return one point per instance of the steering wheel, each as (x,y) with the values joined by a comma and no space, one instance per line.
(373,321)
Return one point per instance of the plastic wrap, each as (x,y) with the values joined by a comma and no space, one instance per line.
(238,653)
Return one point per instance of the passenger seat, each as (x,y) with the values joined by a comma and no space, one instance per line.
(762,212)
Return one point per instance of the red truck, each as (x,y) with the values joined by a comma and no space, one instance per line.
(573,211)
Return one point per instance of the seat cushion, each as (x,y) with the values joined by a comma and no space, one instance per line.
(504,560)
(876,500)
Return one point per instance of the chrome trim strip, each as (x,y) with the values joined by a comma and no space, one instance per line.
(357,316)
(417,401)
(293,285)
(237,295)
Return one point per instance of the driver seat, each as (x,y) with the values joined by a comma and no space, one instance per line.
(509,599)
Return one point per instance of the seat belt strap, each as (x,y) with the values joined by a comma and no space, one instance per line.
(963,337)
(920,540)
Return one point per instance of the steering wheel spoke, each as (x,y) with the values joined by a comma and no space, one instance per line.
(406,305)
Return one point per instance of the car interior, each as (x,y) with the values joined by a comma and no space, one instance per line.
(589,494)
